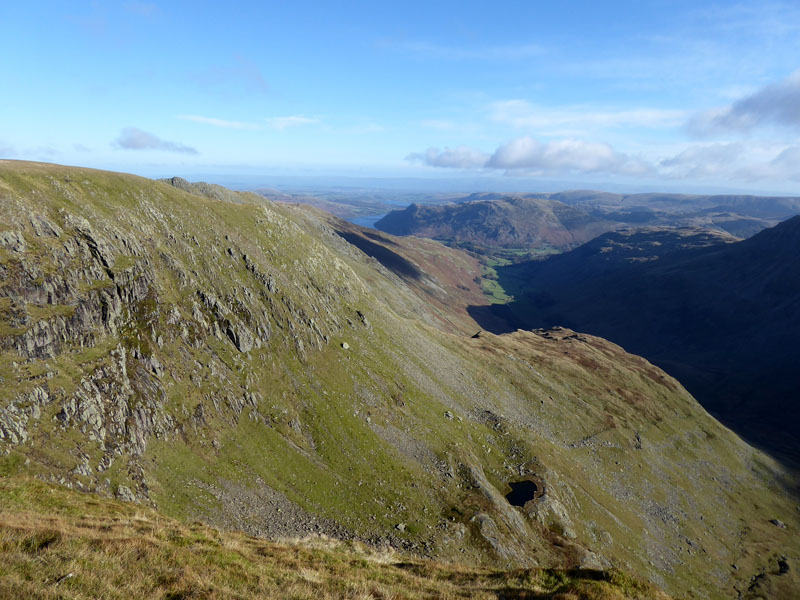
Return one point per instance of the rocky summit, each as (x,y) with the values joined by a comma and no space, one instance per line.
(222,358)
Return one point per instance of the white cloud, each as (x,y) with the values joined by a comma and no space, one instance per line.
(527,155)
(240,74)
(564,156)
(702,161)
(776,104)
(788,161)
(719,162)
(218,122)
(290,121)
(132,138)
(452,158)
(439,124)
(734,161)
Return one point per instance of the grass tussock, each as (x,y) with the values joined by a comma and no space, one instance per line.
(56,543)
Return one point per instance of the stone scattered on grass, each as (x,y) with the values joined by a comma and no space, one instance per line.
(778,523)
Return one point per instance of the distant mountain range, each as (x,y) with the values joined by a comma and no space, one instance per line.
(485,222)
(740,215)
(722,317)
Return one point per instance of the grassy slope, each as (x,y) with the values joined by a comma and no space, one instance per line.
(409,425)
(448,280)
(56,543)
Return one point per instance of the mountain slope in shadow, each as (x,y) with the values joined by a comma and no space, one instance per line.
(722,317)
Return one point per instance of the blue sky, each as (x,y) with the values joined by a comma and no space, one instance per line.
(677,95)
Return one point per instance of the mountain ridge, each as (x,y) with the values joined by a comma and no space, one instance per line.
(490,222)
(226,360)
(507,222)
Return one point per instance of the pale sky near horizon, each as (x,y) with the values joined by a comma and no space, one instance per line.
(675,94)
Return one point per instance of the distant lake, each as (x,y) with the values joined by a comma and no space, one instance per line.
(368,221)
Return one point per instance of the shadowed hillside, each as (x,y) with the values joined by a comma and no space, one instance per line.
(722,317)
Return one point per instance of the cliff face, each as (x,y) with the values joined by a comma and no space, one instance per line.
(242,363)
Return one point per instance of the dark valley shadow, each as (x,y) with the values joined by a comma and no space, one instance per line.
(721,319)
(494,318)
(389,259)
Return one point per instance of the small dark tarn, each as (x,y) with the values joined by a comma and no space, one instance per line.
(521,492)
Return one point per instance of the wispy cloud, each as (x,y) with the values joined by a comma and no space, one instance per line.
(439,124)
(132,138)
(523,114)
(432,50)
(777,104)
(357,129)
(731,161)
(788,161)
(706,51)
(702,161)
(281,123)
(219,122)
(451,158)
(142,9)
(735,161)
(6,151)
(764,19)
(42,152)
(241,73)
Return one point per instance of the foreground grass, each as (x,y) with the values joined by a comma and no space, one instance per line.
(57,543)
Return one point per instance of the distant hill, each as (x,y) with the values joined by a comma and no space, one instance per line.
(740,215)
(506,222)
(610,252)
(487,222)
(722,317)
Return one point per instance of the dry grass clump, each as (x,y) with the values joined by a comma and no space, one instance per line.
(55,543)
